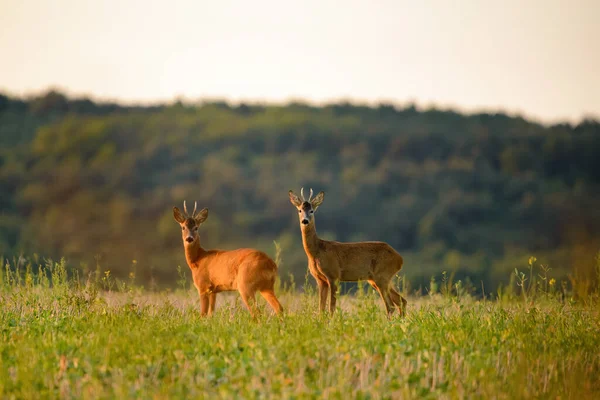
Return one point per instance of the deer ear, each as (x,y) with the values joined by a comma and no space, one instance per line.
(178,215)
(316,202)
(295,200)
(201,216)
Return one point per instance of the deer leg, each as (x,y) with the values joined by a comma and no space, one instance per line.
(269,296)
(249,301)
(323,288)
(204,304)
(389,305)
(384,296)
(212,301)
(398,301)
(332,297)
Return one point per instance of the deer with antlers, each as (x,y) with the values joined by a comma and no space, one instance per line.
(330,262)
(246,270)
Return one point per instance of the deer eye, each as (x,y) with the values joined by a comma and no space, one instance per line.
(299,211)
(312,211)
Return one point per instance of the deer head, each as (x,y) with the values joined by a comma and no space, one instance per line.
(189,223)
(306,208)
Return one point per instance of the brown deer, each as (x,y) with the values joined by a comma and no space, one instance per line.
(329,261)
(214,271)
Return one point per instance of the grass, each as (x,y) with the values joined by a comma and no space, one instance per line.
(67,338)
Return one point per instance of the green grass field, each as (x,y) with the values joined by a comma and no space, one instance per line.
(68,338)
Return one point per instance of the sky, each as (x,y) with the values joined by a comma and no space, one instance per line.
(537,58)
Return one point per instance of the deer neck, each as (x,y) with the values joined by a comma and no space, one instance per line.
(194,253)
(310,240)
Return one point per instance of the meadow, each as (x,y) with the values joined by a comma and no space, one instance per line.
(69,336)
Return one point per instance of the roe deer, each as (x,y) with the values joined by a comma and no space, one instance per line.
(329,261)
(214,271)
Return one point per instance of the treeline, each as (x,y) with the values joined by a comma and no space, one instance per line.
(473,195)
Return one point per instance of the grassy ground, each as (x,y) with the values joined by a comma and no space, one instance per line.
(73,340)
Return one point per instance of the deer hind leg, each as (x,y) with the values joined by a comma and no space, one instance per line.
(269,296)
(323,288)
(249,301)
(383,291)
(398,301)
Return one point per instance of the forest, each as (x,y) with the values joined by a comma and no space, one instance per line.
(469,195)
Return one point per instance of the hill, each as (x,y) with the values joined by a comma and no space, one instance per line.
(470,194)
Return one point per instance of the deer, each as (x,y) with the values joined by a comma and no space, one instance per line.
(331,261)
(244,270)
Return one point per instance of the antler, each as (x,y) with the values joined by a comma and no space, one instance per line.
(186,211)
(302,194)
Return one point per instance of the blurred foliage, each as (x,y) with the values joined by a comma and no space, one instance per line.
(472,194)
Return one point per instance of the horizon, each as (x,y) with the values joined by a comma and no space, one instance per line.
(432,55)
(398,105)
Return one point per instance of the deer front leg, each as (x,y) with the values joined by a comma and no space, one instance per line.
(204,301)
(212,300)
(333,293)
(323,287)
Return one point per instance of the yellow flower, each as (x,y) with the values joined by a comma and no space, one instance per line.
(532,260)
(552,282)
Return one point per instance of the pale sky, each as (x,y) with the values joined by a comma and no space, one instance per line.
(539,58)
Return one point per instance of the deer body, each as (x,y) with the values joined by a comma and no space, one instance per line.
(331,261)
(244,270)
(221,271)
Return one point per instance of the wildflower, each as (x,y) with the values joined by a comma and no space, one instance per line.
(131,275)
(552,282)
(532,260)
